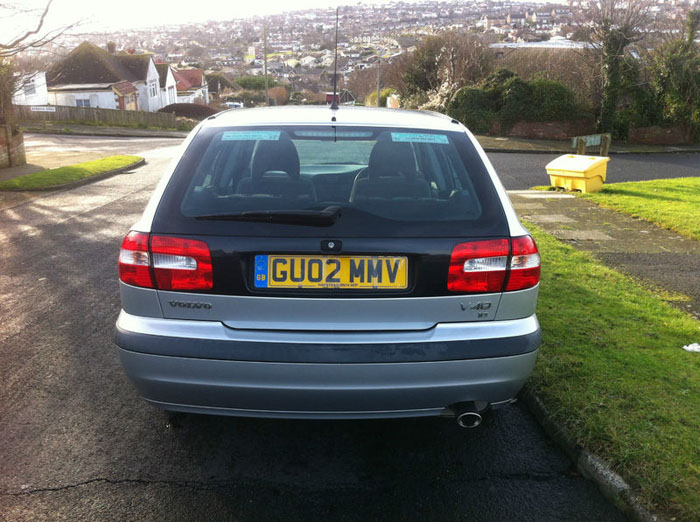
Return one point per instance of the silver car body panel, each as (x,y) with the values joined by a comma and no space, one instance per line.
(216,330)
(298,313)
(275,313)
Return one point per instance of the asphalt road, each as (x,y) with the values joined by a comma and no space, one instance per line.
(522,171)
(77,443)
(49,150)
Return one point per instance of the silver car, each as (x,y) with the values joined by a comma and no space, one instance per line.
(317,263)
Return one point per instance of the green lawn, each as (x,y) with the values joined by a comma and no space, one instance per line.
(669,203)
(613,372)
(63,175)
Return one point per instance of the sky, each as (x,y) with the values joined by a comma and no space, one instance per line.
(103,15)
(143,13)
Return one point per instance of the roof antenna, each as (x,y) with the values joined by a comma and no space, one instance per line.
(334,105)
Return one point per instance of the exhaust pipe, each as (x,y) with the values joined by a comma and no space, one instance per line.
(468,419)
(467,416)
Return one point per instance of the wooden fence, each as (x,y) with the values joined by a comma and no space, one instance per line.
(93,115)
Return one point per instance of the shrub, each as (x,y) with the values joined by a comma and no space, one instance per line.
(552,101)
(190,110)
(497,79)
(278,95)
(474,108)
(185,124)
(517,103)
(255,83)
(505,98)
(371,99)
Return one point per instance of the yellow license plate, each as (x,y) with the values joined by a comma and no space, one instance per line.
(344,272)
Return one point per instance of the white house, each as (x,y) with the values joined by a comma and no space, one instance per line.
(191,86)
(86,77)
(120,95)
(308,61)
(96,95)
(31,90)
(149,89)
(168,85)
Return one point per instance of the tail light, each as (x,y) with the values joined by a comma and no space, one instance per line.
(170,263)
(524,264)
(478,266)
(134,261)
(487,266)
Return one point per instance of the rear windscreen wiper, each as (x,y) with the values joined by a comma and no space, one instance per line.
(315,218)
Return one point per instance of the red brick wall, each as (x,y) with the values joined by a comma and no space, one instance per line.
(551,130)
(11,147)
(659,136)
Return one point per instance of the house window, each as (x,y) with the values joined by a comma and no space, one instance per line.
(82,103)
(29,88)
(154,89)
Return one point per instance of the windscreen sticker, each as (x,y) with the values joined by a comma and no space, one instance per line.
(250,136)
(409,137)
(332,134)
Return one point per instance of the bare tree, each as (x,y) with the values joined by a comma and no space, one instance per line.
(36,35)
(612,26)
(33,37)
(465,58)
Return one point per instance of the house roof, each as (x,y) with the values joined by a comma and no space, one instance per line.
(188,78)
(81,87)
(124,88)
(89,63)
(163,73)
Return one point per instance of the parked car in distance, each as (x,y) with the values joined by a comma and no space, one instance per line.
(318,263)
(234,105)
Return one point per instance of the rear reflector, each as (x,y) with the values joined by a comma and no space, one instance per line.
(524,264)
(176,263)
(484,266)
(134,262)
(478,266)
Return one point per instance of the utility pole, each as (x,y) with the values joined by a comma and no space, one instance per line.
(267,96)
(379,77)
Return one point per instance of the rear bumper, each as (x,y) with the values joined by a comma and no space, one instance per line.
(189,366)
(261,389)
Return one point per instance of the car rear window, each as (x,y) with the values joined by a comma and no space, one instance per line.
(384,180)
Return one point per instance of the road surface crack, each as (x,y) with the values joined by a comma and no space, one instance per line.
(180,483)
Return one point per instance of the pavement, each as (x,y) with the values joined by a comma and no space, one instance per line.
(656,256)
(77,443)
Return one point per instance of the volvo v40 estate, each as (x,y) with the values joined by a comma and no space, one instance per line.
(318,263)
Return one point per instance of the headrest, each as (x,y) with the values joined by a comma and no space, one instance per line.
(389,158)
(276,155)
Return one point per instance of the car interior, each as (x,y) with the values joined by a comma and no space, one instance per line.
(267,174)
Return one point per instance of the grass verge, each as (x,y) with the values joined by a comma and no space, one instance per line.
(613,373)
(65,175)
(670,203)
